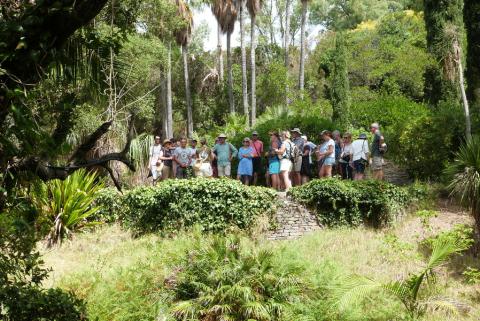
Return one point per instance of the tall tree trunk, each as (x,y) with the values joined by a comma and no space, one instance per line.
(301,73)
(219,53)
(458,60)
(164,107)
(271,25)
(471,13)
(253,71)
(441,81)
(187,91)
(169,94)
(243,9)
(287,45)
(230,75)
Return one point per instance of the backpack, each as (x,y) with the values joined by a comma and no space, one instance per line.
(292,153)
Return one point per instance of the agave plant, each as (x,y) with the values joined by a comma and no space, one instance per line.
(356,288)
(464,174)
(67,204)
(221,281)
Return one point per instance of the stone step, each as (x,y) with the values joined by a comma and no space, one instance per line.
(294,220)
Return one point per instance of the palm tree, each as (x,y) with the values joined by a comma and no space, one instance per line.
(254,7)
(182,36)
(408,291)
(287,45)
(226,13)
(464,173)
(301,74)
(243,8)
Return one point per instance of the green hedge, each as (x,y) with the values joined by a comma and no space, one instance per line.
(337,202)
(213,204)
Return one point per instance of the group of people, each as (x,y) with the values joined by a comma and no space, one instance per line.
(290,160)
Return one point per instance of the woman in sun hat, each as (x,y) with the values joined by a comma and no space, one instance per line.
(167,158)
(245,166)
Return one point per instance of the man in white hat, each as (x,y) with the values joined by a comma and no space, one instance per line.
(224,153)
(297,156)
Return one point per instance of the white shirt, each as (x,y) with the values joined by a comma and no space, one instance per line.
(360,149)
(155,153)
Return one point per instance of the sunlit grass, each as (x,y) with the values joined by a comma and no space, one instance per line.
(124,278)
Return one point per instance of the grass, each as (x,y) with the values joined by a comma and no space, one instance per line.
(124,278)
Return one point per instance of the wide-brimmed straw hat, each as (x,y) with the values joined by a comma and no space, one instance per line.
(166,141)
(222,136)
(296,130)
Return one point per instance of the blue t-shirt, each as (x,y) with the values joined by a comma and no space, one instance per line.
(245,166)
(325,146)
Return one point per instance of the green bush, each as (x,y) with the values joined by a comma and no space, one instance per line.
(22,297)
(338,202)
(108,201)
(213,204)
(427,144)
(222,279)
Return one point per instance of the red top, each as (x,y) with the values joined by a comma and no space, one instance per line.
(257,147)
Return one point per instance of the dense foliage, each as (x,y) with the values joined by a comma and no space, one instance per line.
(223,279)
(66,205)
(338,202)
(22,297)
(213,204)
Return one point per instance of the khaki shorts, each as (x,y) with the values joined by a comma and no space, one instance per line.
(285,165)
(224,170)
(297,166)
(167,172)
(377,163)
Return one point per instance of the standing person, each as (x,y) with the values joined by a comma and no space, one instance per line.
(327,154)
(167,158)
(203,166)
(183,157)
(193,147)
(346,157)
(274,160)
(297,156)
(359,158)
(337,138)
(225,152)
(378,149)
(285,153)
(214,161)
(257,146)
(155,164)
(306,169)
(245,166)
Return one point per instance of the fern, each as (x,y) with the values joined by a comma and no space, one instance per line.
(354,289)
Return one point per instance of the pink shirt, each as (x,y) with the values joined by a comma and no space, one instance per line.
(257,147)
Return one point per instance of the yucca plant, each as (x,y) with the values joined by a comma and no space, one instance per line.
(464,176)
(220,280)
(67,204)
(411,292)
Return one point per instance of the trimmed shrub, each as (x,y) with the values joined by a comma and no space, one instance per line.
(213,204)
(337,202)
(109,204)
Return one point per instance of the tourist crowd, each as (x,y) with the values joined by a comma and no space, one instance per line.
(290,159)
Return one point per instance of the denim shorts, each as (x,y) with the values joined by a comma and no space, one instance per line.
(329,161)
